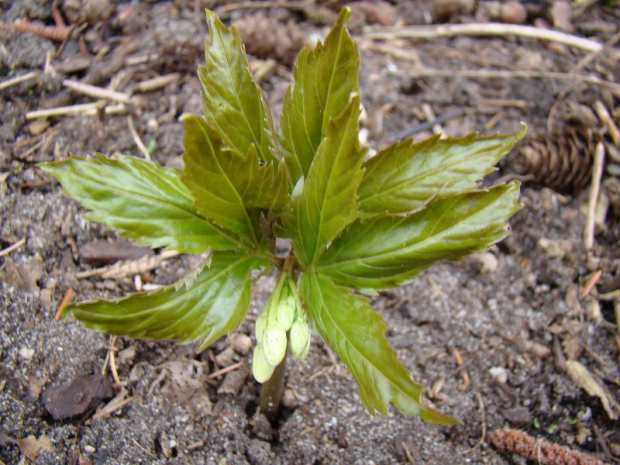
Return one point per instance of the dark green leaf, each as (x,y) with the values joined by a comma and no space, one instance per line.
(233,103)
(227,186)
(405,176)
(328,199)
(386,251)
(141,200)
(201,308)
(355,331)
(324,78)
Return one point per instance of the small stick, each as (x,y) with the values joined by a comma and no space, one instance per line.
(476,29)
(96,92)
(457,356)
(223,371)
(63,303)
(108,410)
(595,186)
(500,102)
(112,359)
(13,247)
(16,80)
(88,109)
(281,4)
(483,427)
(68,110)
(143,449)
(157,83)
(408,453)
(430,116)
(136,138)
(591,283)
(129,267)
(608,121)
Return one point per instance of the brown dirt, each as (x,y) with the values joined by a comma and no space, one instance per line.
(490,344)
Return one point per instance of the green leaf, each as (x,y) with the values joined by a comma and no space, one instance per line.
(324,79)
(233,103)
(384,252)
(355,331)
(200,308)
(141,200)
(328,200)
(227,186)
(405,176)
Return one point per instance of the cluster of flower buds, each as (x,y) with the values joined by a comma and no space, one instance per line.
(283,314)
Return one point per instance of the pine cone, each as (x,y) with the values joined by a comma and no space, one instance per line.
(266,37)
(561,160)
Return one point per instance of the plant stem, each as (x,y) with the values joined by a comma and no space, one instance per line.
(271,392)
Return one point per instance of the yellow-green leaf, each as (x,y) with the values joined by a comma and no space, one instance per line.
(356,333)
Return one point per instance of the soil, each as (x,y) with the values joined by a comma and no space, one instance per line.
(489,337)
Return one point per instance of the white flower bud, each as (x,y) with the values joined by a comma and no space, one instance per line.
(274,344)
(300,338)
(261,368)
(285,315)
(261,324)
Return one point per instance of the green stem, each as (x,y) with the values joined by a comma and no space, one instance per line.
(271,392)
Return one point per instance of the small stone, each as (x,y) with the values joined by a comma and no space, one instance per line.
(242,343)
(26,353)
(518,416)
(499,374)
(89,449)
(289,399)
(513,13)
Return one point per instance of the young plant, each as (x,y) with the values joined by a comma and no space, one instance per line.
(356,225)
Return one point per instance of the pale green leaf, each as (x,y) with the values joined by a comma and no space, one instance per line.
(384,252)
(228,186)
(328,199)
(232,102)
(406,175)
(324,79)
(356,333)
(142,201)
(201,308)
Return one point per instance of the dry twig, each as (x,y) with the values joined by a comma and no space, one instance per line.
(277,4)
(595,187)
(16,80)
(483,427)
(477,29)
(591,283)
(111,408)
(136,138)
(88,109)
(225,370)
(13,247)
(63,303)
(128,268)
(96,92)
(156,83)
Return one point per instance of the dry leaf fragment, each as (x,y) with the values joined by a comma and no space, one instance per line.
(582,377)
(31,447)
(24,275)
(83,393)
